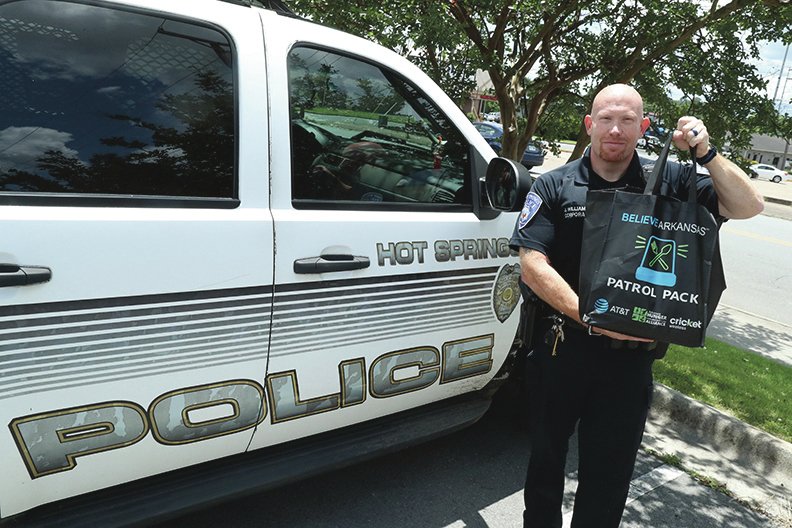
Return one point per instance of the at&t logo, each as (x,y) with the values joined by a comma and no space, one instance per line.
(601,305)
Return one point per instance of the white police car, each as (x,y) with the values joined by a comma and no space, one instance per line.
(237,248)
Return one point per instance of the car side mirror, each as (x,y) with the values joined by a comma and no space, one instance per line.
(507,183)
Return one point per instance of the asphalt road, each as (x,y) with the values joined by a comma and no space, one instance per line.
(473,478)
(757,259)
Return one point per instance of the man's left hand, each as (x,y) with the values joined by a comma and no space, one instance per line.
(691,132)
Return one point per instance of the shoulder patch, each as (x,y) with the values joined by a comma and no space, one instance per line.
(532,204)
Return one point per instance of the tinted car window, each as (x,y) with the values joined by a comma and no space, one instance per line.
(103,101)
(487,132)
(362,134)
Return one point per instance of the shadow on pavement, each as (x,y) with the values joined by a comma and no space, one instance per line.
(473,478)
(436,484)
(751,335)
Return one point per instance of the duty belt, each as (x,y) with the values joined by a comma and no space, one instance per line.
(613,344)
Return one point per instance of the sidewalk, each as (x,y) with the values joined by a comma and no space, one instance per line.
(767,337)
(754,465)
(775,193)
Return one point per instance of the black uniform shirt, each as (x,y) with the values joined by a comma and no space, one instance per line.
(555,228)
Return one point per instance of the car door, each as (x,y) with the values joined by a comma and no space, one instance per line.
(136,257)
(390,292)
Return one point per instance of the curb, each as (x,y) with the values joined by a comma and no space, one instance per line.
(725,434)
(777,200)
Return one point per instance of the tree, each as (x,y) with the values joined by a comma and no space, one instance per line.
(193,154)
(377,99)
(540,55)
(417,29)
(783,129)
(591,44)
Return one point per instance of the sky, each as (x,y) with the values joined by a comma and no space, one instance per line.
(771,58)
(769,66)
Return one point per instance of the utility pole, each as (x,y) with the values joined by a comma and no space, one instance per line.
(781,74)
(782,162)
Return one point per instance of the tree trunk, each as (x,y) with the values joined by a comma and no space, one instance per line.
(511,131)
(519,139)
(582,142)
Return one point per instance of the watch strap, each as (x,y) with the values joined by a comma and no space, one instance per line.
(709,156)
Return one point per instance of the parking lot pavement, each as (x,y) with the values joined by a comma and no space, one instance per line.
(472,478)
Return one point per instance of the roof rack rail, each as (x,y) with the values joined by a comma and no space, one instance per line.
(275,5)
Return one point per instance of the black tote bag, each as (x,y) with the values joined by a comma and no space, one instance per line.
(650,264)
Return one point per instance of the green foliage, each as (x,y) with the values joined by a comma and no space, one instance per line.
(196,153)
(783,127)
(417,29)
(311,89)
(720,85)
(378,99)
(546,60)
(755,389)
(491,106)
(562,118)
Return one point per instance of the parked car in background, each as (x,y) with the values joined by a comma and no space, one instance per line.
(649,142)
(493,132)
(492,116)
(763,171)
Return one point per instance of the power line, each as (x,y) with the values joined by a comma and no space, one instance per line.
(781,74)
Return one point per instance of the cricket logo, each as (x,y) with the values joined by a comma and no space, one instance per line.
(658,265)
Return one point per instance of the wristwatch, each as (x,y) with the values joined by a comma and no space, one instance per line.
(709,156)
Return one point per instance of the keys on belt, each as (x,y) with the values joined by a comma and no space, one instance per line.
(555,333)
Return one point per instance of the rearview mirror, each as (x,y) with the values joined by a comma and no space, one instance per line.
(507,183)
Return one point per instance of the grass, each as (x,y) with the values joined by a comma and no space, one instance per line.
(748,386)
(673,460)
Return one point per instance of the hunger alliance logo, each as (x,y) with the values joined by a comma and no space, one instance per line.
(658,265)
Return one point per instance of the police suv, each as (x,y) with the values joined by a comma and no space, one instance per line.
(238,248)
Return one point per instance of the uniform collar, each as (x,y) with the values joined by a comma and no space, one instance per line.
(634,176)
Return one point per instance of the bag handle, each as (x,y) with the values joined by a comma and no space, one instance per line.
(656,177)
(693,177)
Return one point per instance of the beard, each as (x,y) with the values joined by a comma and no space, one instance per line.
(613,154)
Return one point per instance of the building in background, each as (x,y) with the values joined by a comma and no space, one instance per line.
(481,94)
(770,150)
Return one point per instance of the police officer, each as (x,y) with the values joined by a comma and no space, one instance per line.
(592,377)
